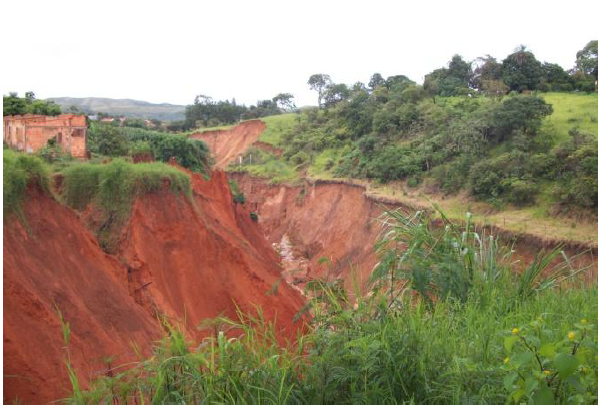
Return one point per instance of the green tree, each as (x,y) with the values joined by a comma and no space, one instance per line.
(459,69)
(431,86)
(587,59)
(521,70)
(523,113)
(13,105)
(336,93)
(30,96)
(39,107)
(319,83)
(375,81)
(487,68)
(284,101)
(494,87)
(397,82)
(555,76)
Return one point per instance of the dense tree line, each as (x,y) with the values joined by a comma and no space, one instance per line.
(206,112)
(396,129)
(519,71)
(14,105)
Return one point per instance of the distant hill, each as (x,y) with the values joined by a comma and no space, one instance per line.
(123,107)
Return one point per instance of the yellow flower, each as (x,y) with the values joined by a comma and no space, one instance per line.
(547,372)
(507,360)
(571,335)
(583,321)
(515,330)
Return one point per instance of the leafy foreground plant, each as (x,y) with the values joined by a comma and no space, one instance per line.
(546,370)
(446,345)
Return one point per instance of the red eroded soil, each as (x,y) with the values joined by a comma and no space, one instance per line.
(226,145)
(199,258)
(267,147)
(55,262)
(203,262)
(337,220)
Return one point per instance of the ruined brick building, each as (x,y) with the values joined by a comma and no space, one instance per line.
(31,133)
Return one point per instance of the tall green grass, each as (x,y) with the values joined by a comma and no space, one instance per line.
(572,110)
(264,164)
(112,188)
(276,126)
(439,347)
(19,170)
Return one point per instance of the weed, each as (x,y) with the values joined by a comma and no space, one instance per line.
(112,188)
(20,170)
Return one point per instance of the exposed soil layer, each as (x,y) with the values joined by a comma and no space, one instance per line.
(226,145)
(267,147)
(54,262)
(337,220)
(203,260)
(199,257)
(320,220)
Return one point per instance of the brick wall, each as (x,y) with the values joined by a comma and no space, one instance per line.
(31,133)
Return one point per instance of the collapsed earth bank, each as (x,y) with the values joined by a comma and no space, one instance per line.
(226,145)
(339,221)
(199,257)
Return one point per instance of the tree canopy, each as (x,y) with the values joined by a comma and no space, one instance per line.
(13,105)
(587,59)
(319,83)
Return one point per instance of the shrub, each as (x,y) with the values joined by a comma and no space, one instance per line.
(52,152)
(485,183)
(545,369)
(544,166)
(189,153)
(19,171)
(253,216)
(412,182)
(299,158)
(237,196)
(329,164)
(140,147)
(519,192)
(393,163)
(107,140)
(453,176)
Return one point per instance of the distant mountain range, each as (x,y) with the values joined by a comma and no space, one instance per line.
(123,107)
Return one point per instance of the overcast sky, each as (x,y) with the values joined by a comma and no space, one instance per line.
(172,50)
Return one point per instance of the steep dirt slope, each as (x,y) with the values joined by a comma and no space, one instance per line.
(201,262)
(178,257)
(55,261)
(336,220)
(322,220)
(226,145)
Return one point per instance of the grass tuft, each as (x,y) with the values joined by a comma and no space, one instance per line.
(113,187)
(19,170)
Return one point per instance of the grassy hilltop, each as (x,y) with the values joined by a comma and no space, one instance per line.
(311,150)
